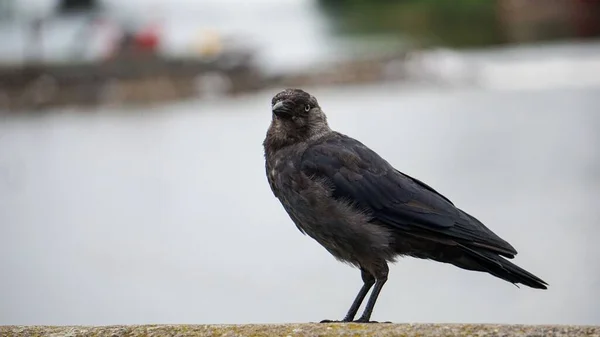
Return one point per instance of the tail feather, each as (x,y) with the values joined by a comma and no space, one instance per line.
(504,269)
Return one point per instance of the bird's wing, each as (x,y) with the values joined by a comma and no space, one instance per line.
(359,175)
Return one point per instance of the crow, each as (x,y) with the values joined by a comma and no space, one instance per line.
(364,211)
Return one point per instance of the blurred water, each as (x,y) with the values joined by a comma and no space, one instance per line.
(164,215)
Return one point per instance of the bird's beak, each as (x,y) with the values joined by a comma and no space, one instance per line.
(281,109)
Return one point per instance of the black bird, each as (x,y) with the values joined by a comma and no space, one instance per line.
(364,211)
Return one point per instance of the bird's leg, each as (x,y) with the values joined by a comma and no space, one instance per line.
(380,279)
(368,281)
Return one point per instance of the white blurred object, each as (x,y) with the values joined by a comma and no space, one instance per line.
(440,65)
(531,67)
(212,85)
(449,66)
(208,43)
(542,73)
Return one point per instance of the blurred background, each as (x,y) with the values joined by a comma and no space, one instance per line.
(132,185)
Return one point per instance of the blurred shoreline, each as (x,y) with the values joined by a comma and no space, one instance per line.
(150,80)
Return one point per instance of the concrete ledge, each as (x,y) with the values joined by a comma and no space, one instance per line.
(302,330)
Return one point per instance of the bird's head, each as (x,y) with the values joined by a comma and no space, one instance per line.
(296,116)
(293,104)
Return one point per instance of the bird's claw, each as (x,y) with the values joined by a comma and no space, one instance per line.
(349,321)
(332,321)
(367,321)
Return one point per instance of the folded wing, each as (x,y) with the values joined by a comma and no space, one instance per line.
(359,175)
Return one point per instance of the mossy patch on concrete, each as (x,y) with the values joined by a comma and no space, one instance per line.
(304,330)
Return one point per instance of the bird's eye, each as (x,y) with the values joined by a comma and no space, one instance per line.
(307,107)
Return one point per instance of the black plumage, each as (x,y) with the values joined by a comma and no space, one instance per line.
(363,210)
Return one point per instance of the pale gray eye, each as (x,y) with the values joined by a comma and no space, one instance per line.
(307,107)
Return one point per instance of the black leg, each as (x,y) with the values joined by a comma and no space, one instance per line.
(380,279)
(368,281)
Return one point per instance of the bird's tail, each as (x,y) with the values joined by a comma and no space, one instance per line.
(502,268)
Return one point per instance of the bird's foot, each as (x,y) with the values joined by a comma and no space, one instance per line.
(333,321)
(360,320)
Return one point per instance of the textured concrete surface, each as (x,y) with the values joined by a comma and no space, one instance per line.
(404,330)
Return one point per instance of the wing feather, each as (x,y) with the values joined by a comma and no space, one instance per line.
(397,200)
